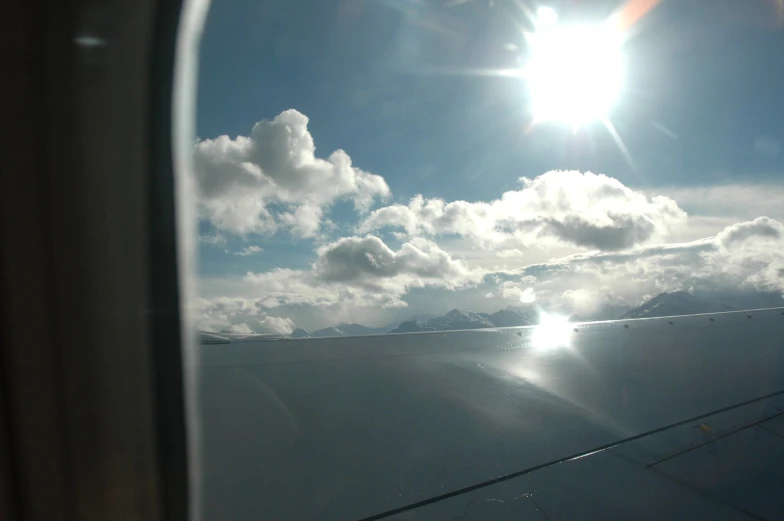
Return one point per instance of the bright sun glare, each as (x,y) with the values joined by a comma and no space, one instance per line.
(575,73)
(553,331)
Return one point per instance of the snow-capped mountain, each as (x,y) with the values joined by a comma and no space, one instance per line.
(359,329)
(676,303)
(300,333)
(459,319)
(511,317)
(412,326)
(326,332)
(455,319)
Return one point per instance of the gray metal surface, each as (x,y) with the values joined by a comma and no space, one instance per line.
(651,450)
(347,428)
(745,469)
(775,425)
(600,487)
(616,484)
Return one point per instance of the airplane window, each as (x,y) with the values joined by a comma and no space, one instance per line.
(367,167)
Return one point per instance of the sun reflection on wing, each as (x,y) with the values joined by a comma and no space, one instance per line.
(552,332)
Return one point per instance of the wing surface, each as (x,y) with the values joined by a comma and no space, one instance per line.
(666,418)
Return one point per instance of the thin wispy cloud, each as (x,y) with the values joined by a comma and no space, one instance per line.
(245,252)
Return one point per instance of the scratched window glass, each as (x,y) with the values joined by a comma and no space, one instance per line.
(366,167)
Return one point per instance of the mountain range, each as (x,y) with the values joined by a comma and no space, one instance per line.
(459,319)
(664,304)
(677,303)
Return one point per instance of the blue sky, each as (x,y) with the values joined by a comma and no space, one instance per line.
(387,82)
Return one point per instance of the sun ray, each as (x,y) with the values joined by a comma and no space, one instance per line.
(500,72)
(664,130)
(618,141)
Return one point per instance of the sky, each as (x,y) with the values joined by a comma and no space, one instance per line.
(371,160)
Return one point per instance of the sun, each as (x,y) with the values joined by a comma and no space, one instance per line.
(575,72)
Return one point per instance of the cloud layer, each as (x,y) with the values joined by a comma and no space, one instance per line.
(364,271)
(583,209)
(353,272)
(744,257)
(240,315)
(272,179)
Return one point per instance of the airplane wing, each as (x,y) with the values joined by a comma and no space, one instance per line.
(665,418)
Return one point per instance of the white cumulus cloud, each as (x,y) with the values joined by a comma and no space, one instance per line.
(583,209)
(364,271)
(519,291)
(272,179)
